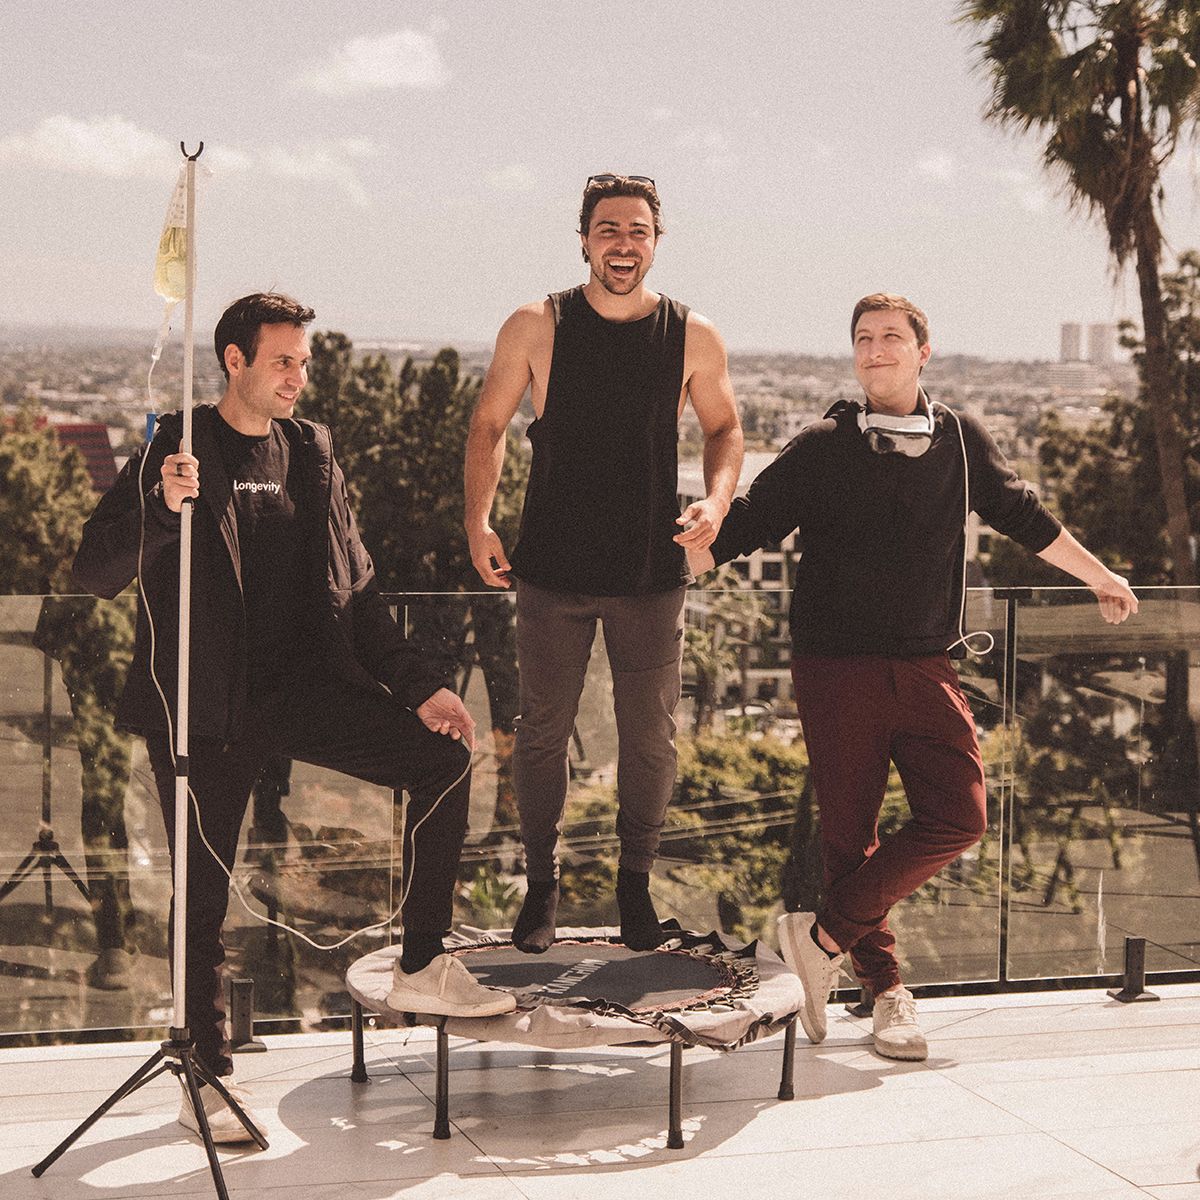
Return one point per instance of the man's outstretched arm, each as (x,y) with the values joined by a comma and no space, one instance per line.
(711,394)
(1116,598)
(508,376)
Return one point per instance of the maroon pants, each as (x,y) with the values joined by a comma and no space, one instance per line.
(858,714)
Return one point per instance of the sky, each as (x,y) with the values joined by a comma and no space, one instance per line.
(413,170)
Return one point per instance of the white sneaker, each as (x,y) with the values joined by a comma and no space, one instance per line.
(222,1124)
(446,988)
(817,971)
(896,1032)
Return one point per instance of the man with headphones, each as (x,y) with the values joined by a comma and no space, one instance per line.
(880,492)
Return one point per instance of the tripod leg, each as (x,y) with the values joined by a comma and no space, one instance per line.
(143,1074)
(69,871)
(193,1090)
(25,867)
(232,1104)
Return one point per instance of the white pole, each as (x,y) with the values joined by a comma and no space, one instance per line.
(179,955)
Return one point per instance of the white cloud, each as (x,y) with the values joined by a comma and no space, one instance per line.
(516,177)
(661,113)
(402,59)
(941,167)
(317,163)
(112,147)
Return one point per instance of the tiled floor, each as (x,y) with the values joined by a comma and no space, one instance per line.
(1051,1095)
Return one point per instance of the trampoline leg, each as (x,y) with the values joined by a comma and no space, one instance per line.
(441,1119)
(787,1090)
(675,1125)
(358,1072)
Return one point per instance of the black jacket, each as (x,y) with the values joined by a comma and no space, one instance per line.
(881,534)
(352,633)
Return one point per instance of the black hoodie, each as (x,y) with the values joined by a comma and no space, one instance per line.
(881,534)
(354,635)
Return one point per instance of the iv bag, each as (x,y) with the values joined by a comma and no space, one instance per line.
(170,267)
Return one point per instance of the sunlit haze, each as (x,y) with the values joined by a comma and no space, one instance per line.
(414,170)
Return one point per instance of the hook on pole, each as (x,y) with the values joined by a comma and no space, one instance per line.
(191,157)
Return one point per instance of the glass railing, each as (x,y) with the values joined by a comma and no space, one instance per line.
(1088,738)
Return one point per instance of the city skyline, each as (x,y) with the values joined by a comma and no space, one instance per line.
(414,171)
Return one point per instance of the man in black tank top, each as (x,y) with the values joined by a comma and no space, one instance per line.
(610,366)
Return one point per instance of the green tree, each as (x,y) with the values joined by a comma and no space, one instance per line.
(45,497)
(1113,85)
(401,437)
(714,649)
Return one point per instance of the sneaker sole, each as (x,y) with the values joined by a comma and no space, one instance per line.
(811,1021)
(902,1055)
(426,1006)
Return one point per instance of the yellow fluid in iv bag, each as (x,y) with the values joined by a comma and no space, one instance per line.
(170,266)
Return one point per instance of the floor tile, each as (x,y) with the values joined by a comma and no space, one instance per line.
(1167,1152)
(1108,1102)
(995,1168)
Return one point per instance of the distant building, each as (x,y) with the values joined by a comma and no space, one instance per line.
(1071,350)
(92,441)
(1102,343)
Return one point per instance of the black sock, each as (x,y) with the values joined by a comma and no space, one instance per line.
(640,928)
(534,931)
(812,933)
(420,949)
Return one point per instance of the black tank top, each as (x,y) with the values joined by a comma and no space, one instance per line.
(601,502)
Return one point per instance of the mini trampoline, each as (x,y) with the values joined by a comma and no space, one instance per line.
(590,990)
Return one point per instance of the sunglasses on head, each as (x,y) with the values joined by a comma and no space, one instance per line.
(613,178)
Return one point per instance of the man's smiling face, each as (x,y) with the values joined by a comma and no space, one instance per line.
(620,243)
(888,360)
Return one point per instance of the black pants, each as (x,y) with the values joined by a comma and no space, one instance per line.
(371,737)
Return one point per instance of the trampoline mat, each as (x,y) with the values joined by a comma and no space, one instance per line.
(588,989)
(661,981)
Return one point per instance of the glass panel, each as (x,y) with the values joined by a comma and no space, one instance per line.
(1105,838)
(1097,770)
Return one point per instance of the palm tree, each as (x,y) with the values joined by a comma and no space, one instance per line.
(1113,85)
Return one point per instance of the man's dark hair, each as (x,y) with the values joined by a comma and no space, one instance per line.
(241,321)
(887,302)
(618,185)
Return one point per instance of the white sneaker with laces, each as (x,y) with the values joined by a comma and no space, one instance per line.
(895,1028)
(817,971)
(222,1124)
(446,988)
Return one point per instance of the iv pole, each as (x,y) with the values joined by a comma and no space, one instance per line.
(177,1053)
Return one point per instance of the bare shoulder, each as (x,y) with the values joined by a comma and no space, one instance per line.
(529,328)
(703,343)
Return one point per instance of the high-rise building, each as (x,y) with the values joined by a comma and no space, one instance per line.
(1072,342)
(1102,342)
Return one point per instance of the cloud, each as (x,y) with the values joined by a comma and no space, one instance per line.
(940,167)
(406,59)
(111,147)
(516,177)
(661,113)
(317,163)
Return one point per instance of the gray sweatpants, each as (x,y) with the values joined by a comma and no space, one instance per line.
(644,639)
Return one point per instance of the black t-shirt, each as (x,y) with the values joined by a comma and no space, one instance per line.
(266,499)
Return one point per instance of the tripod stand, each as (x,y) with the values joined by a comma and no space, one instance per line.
(177,1053)
(46,852)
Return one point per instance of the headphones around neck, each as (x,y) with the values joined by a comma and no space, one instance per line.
(910,435)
